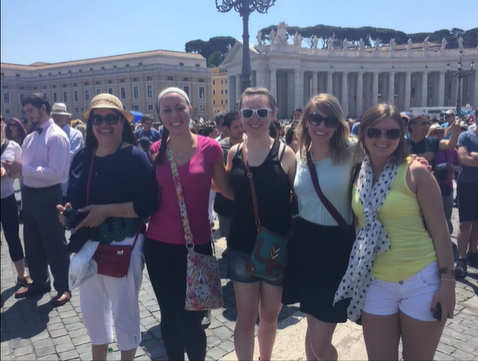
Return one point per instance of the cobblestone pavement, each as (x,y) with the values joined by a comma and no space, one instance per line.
(31,329)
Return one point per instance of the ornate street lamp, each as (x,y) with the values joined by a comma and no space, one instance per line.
(244,8)
(459,76)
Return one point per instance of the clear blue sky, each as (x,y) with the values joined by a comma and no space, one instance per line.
(62,30)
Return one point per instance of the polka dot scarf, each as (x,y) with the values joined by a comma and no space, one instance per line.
(371,240)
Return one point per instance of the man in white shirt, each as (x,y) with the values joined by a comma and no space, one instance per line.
(44,167)
(62,118)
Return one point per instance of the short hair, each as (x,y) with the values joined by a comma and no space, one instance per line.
(37,100)
(146,117)
(218,117)
(289,135)
(300,110)
(259,91)
(414,120)
(373,115)
(229,118)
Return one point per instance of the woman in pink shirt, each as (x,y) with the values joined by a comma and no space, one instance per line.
(199,160)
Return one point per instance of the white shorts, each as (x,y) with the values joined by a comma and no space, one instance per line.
(103,298)
(412,296)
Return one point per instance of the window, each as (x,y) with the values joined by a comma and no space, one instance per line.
(114,66)
(213,82)
(55,98)
(213,102)
(226,101)
(186,89)
(225,91)
(102,68)
(77,110)
(98,82)
(23,112)
(7,111)
(86,83)
(110,81)
(64,85)
(136,107)
(150,107)
(136,92)
(75,84)
(110,90)
(22,88)
(222,91)
(201,92)
(170,78)
(181,64)
(198,65)
(149,91)
(135,79)
(80,71)
(21,97)
(124,107)
(202,108)
(54,86)
(75,96)
(185,79)
(222,101)
(201,80)
(225,81)
(6,98)
(123,93)
(69,71)
(222,81)
(44,95)
(91,69)
(87,95)
(121,80)
(127,65)
(65,97)
(140,64)
(213,92)
(149,78)
(98,91)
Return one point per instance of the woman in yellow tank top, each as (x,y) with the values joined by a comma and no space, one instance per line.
(400,268)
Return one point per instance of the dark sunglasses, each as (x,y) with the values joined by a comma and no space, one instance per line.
(392,134)
(329,121)
(261,113)
(110,119)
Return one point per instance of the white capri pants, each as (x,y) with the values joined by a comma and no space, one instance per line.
(104,298)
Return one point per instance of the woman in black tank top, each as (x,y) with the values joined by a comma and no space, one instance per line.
(273,169)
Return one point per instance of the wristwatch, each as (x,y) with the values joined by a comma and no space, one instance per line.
(446,271)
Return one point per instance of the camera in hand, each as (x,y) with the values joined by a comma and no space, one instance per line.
(73,218)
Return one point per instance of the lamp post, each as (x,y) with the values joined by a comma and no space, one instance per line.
(459,76)
(245,8)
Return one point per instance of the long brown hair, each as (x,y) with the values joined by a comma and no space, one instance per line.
(340,148)
(374,115)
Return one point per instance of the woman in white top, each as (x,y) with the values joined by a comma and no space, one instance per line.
(322,244)
(11,151)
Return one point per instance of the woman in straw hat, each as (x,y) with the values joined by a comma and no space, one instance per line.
(112,184)
(199,160)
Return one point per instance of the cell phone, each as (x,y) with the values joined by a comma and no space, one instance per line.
(437,312)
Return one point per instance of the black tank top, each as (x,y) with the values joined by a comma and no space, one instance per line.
(273,198)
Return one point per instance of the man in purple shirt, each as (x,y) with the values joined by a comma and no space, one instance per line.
(44,167)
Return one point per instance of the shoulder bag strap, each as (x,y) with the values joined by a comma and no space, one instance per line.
(330,208)
(5,145)
(253,188)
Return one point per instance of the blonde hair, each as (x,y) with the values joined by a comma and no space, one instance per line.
(340,146)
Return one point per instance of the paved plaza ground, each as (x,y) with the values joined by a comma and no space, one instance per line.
(31,329)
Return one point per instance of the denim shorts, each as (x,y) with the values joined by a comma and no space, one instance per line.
(236,270)
(412,296)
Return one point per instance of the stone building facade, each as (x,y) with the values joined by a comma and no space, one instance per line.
(413,75)
(219,89)
(136,79)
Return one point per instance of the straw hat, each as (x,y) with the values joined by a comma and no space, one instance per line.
(107,101)
(59,109)
(434,127)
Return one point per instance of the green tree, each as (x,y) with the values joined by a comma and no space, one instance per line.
(215,59)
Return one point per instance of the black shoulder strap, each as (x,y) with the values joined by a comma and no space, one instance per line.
(5,145)
(283,151)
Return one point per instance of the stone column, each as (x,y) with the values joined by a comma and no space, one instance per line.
(391,88)
(344,94)
(359,110)
(475,90)
(298,88)
(238,88)
(408,90)
(314,84)
(273,87)
(230,92)
(329,82)
(375,89)
(441,89)
(424,97)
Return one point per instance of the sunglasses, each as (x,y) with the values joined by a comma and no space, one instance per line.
(261,113)
(448,116)
(329,121)
(110,119)
(392,134)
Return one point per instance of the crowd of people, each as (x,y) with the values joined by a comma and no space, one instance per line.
(366,205)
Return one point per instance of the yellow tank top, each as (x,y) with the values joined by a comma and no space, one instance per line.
(411,247)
